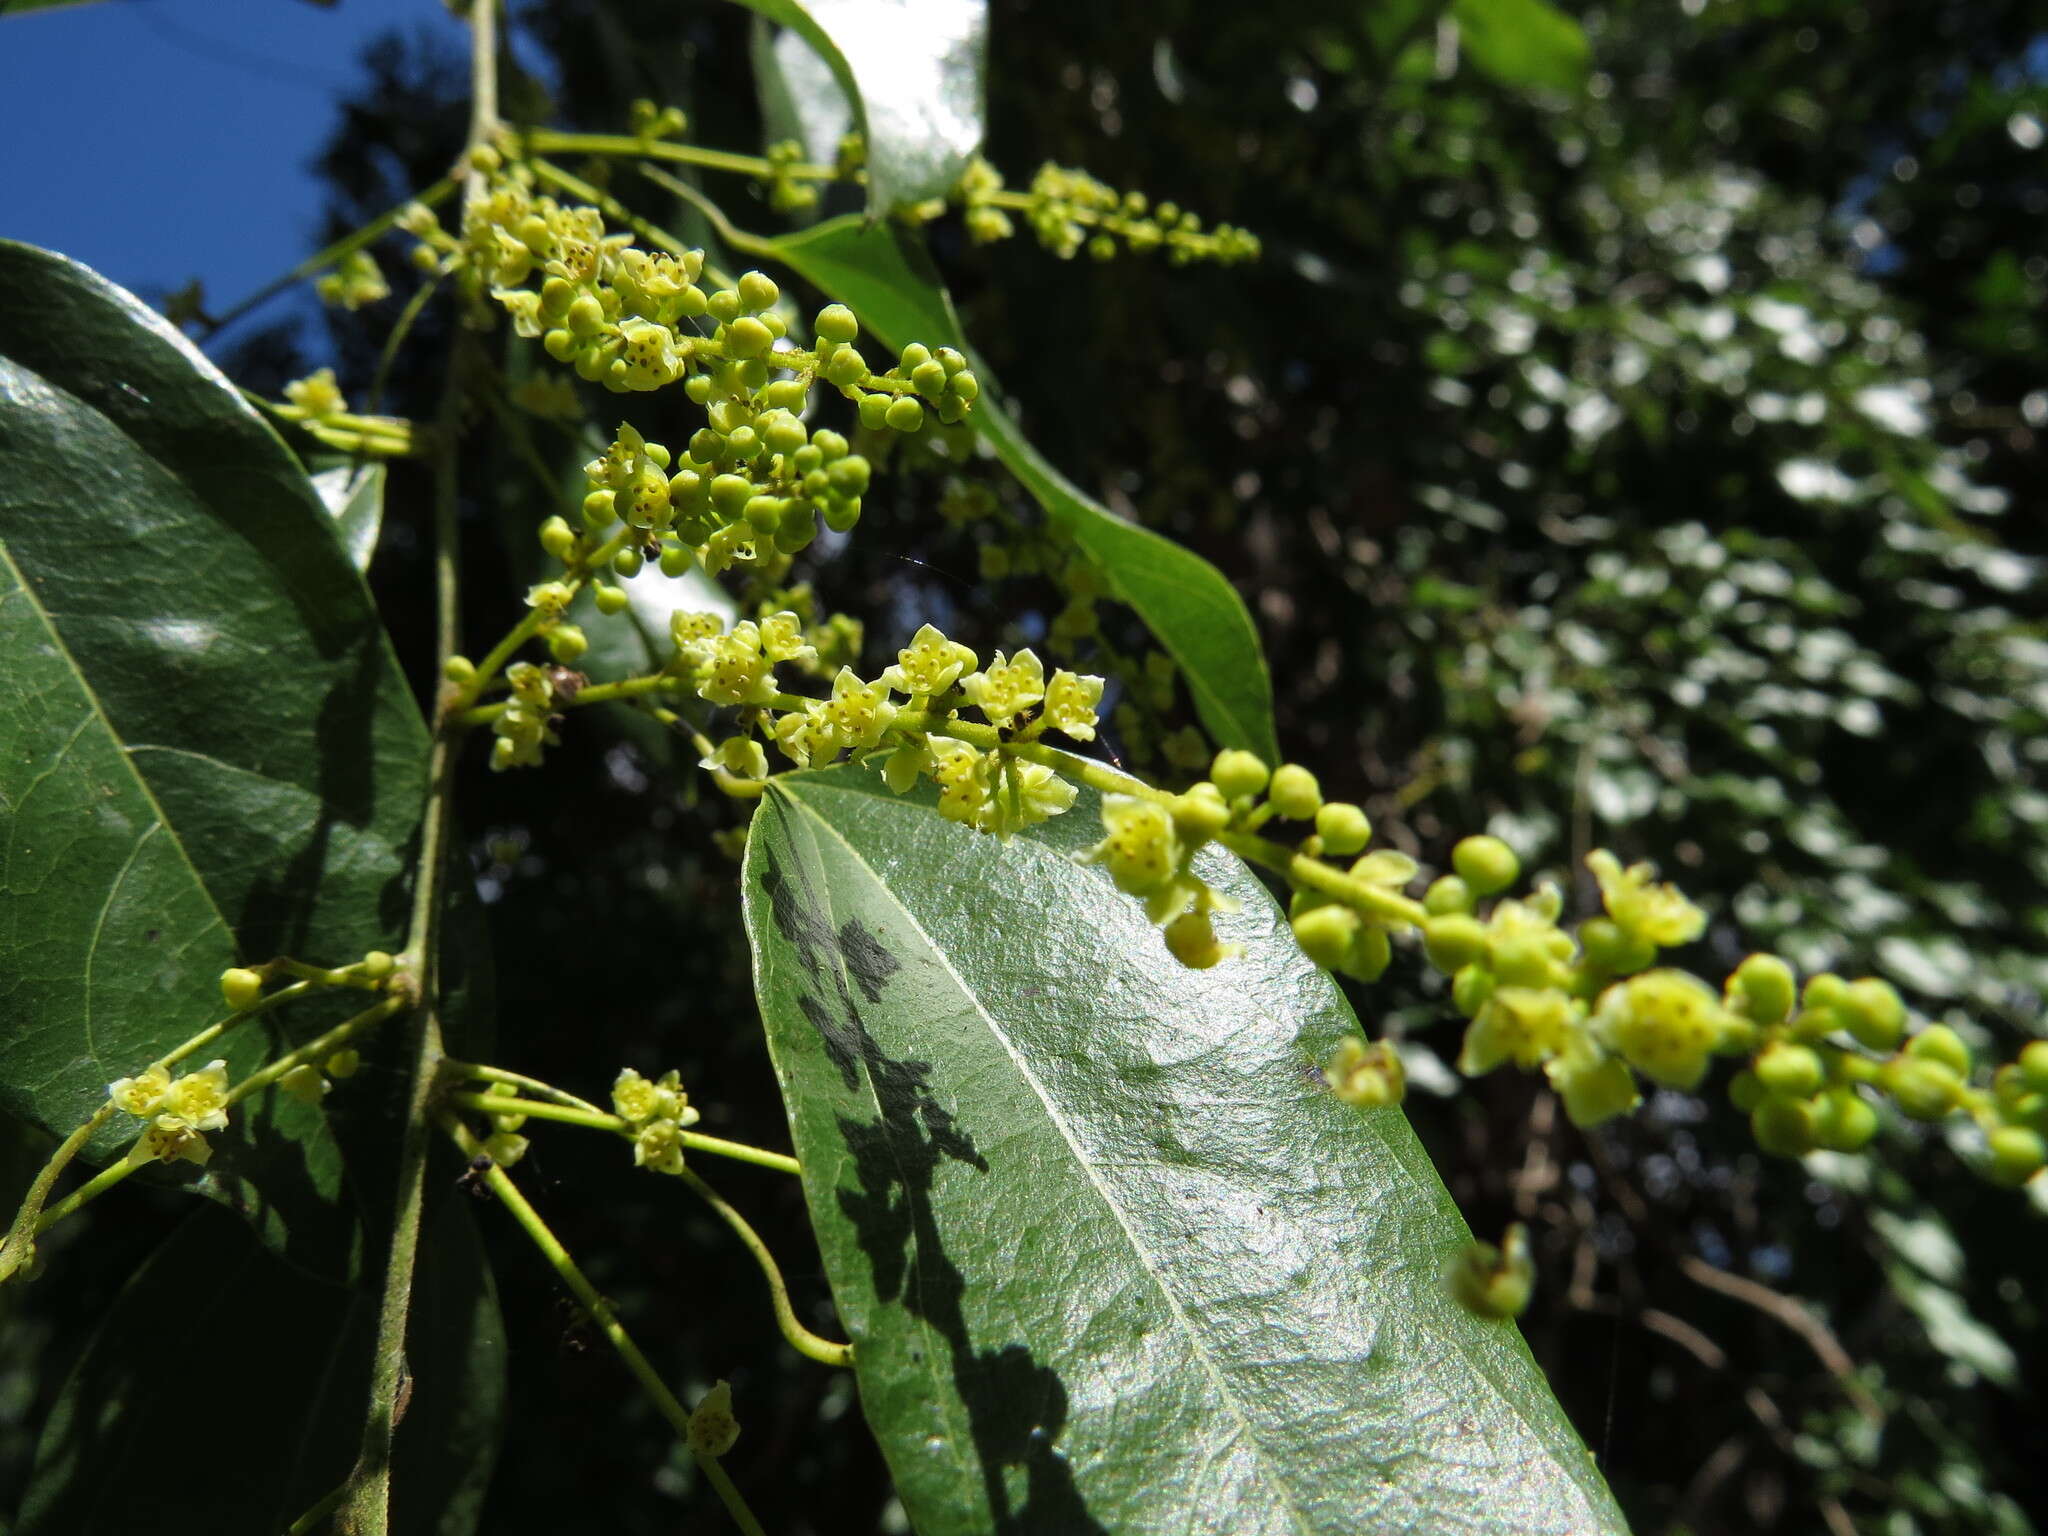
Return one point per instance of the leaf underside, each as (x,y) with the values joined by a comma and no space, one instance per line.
(1110,1256)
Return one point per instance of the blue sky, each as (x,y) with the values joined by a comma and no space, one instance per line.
(160,140)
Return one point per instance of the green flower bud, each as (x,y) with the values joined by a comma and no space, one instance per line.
(675,560)
(743,442)
(837,323)
(2033,1065)
(628,563)
(343,1063)
(1745,1092)
(2017,1154)
(1343,827)
(1294,792)
(1848,1123)
(1192,942)
(1784,1127)
(748,337)
(904,414)
(840,516)
(1763,988)
(1521,959)
(1611,948)
(929,380)
(1201,813)
(730,494)
(459,669)
(845,367)
(1371,953)
(1923,1088)
(1368,1076)
(1593,1090)
(916,355)
(723,306)
(1792,1070)
(610,600)
(240,988)
(1486,864)
(874,411)
(557,537)
(1937,1042)
(1453,940)
(305,1083)
(377,964)
(1490,1281)
(1471,988)
(1447,894)
(785,435)
(964,387)
(1239,774)
(1326,934)
(566,642)
(1873,1012)
(764,513)
(757,292)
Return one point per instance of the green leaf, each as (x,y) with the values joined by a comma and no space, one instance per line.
(276,1364)
(799,97)
(354,495)
(1523,43)
(1110,1256)
(207,751)
(913,76)
(1187,604)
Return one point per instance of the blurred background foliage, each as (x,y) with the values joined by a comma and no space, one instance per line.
(1632,436)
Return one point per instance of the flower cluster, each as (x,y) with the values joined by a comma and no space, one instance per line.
(527,723)
(179,1111)
(354,282)
(921,734)
(656,1113)
(1069,210)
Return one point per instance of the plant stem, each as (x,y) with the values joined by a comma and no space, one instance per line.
(318,1048)
(365,1508)
(547,140)
(597,1120)
(606,1319)
(801,1339)
(731,234)
(482,1074)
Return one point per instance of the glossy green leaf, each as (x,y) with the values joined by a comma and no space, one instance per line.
(1187,604)
(799,97)
(274,1364)
(911,70)
(1110,1256)
(1523,43)
(354,494)
(207,751)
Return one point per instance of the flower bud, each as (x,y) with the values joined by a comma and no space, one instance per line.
(1192,941)
(1343,827)
(1490,1281)
(1762,988)
(1447,894)
(1792,1070)
(1368,1076)
(1784,1127)
(566,642)
(343,1063)
(1848,1123)
(2016,1154)
(1326,933)
(1201,813)
(1453,940)
(305,1083)
(557,537)
(1611,948)
(1873,1012)
(1486,864)
(1924,1089)
(240,988)
(1294,792)
(1937,1042)
(1238,774)
(903,414)
(836,323)
(2033,1065)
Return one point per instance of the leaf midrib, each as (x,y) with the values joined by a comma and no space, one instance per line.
(1197,1345)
